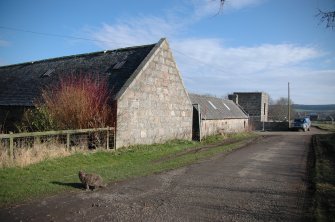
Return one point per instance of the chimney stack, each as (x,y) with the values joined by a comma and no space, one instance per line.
(233,97)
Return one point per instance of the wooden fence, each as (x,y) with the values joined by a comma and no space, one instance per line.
(110,133)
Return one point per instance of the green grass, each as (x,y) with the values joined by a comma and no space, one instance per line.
(324,177)
(325,126)
(58,175)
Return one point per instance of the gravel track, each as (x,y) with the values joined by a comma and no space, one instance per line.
(264,181)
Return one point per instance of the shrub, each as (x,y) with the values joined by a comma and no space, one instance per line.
(75,102)
(37,119)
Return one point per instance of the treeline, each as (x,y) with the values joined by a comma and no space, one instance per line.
(330,107)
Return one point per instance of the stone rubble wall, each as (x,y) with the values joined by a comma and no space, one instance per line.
(270,126)
(214,127)
(253,104)
(155,107)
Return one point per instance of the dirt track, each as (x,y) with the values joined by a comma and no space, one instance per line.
(261,182)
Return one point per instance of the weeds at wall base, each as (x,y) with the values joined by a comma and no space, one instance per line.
(39,152)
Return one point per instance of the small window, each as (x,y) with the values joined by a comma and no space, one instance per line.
(47,73)
(212,104)
(119,64)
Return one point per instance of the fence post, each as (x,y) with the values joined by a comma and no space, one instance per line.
(68,141)
(107,139)
(114,134)
(37,140)
(11,146)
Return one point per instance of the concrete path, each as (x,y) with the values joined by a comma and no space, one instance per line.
(261,182)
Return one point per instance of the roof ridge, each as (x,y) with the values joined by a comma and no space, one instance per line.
(78,55)
(208,96)
(222,109)
(248,92)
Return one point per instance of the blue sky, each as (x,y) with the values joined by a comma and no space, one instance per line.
(252,45)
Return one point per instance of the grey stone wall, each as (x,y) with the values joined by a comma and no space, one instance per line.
(255,104)
(155,107)
(214,127)
(270,126)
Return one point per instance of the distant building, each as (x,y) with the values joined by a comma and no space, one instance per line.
(314,116)
(256,104)
(212,116)
(330,118)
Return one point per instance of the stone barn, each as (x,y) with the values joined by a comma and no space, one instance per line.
(150,100)
(213,116)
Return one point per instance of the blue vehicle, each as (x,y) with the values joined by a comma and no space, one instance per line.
(302,124)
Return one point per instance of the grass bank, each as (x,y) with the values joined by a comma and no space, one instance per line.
(61,174)
(325,126)
(324,177)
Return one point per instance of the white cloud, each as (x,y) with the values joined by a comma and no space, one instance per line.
(142,30)
(239,4)
(208,65)
(211,67)
(308,86)
(146,29)
(245,59)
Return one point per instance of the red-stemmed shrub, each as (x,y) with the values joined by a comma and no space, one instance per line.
(75,101)
(78,101)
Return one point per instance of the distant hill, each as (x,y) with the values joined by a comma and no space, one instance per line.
(314,108)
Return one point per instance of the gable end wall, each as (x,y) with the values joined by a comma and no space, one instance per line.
(155,107)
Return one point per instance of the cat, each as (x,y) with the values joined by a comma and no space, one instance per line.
(91,180)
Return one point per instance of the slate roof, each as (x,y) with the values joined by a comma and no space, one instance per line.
(21,84)
(215,108)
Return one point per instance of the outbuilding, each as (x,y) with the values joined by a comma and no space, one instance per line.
(213,116)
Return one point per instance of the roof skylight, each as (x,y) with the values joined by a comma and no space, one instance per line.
(119,64)
(47,73)
(226,106)
(212,104)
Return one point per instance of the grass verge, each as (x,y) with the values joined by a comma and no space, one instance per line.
(324,177)
(60,174)
(325,126)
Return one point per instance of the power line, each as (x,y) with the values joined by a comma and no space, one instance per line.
(54,35)
(104,41)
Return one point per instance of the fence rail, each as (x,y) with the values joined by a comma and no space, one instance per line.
(110,132)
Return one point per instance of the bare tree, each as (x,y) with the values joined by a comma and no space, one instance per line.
(278,110)
(221,4)
(325,16)
(328,17)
